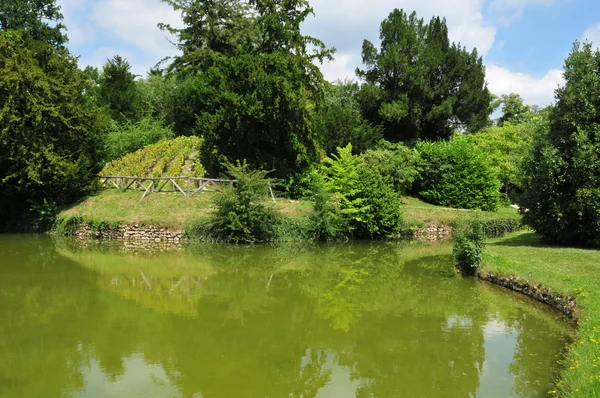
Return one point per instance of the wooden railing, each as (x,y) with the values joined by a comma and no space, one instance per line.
(187,186)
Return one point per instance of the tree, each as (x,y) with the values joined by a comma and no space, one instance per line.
(50,134)
(117,89)
(212,29)
(251,100)
(513,109)
(418,85)
(562,174)
(41,19)
(339,121)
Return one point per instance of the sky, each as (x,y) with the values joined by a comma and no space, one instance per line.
(524,43)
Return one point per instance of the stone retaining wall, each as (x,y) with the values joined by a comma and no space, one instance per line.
(133,232)
(567,305)
(434,232)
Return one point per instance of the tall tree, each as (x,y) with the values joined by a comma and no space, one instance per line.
(339,121)
(514,109)
(212,29)
(41,19)
(252,100)
(117,89)
(50,141)
(418,84)
(562,176)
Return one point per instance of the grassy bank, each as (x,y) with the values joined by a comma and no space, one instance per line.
(569,272)
(172,210)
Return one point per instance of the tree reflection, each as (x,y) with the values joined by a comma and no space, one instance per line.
(253,322)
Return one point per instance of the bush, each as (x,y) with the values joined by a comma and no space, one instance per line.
(396,162)
(327,223)
(241,215)
(562,174)
(383,217)
(456,175)
(128,137)
(367,202)
(468,245)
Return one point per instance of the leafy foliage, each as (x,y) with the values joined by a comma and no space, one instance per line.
(367,202)
(249,81)
(419,86)
(130,136)
(456,175)
(514,111)
(51,135)
(506,147)
(383,217)
(241,215)
(562,174)
(41,19)
(468,245)
(342,178)
(117,89)
(170,158)
(339,121)
(396,162)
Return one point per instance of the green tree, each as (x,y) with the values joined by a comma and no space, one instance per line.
(213,29)
(418,84)
(117,89)
(251,100)
(562,175)
(41,19)
(513,109)
(339,121)
(51,143)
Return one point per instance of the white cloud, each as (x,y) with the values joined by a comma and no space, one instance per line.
(357,20)
(340,69)
(534,91)
(507,11)
(135,22)
(592,34)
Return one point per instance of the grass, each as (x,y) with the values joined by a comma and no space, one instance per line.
(570,272)
(418,212)
(172,210)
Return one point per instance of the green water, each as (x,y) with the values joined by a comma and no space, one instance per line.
(356,320)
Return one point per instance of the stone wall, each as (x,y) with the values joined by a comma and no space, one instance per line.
(433,232)
(132,232)
(567,305)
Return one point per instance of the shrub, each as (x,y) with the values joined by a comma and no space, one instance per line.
(302,185)
(383,217)
(468,245)
(128,137)
(66,226)
(241,215)
(562,174)
(342,180)
(398,163)
(327,223)
(368,204)
(456,175)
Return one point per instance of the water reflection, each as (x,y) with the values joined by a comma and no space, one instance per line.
(363,320)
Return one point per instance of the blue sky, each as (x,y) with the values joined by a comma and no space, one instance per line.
(524,42)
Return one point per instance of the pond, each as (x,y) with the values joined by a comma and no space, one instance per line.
(90,319)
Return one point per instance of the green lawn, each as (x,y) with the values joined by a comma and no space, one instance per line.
(418,212)
(568,271)
(173,210)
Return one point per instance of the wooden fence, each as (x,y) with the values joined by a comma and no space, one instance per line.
(187,186)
